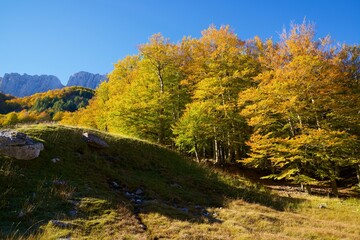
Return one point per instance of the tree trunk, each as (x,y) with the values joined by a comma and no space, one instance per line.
(216,150)
(357,167)
(197,155)
(161,81)
(300,121)
(291,128)
(161,136)
(334,187)
(305,188)
(161,133)
(316,116)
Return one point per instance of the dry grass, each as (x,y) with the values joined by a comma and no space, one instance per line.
(43,191)
(242,220)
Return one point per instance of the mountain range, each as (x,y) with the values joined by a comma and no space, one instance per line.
(25,85)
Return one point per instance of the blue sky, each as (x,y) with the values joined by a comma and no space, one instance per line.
(61,37)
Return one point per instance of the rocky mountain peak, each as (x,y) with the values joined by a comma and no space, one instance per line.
(26,85)
(86,79)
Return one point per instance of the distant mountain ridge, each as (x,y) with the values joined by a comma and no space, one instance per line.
(26,85)
(86,79)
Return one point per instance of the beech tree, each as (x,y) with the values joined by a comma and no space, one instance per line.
(143,96)
(218,69)
(297,109)
(290,107)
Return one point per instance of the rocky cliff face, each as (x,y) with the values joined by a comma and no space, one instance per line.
(26,85)
(86,79)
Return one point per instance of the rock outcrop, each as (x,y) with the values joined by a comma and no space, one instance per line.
(26,85)
(94,141)
(86,79)
(18,145)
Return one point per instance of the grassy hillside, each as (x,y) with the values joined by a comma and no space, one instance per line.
(137,190)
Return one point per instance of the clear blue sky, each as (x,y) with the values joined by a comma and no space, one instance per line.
(61,37)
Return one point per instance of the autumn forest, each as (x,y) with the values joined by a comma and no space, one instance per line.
(289,108)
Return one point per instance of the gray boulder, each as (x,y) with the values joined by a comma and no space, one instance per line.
(18,145)
(94,141)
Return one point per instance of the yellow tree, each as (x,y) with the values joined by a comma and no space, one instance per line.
(296,109)
(217,69)
(144,93)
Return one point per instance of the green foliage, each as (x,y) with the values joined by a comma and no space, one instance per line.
(43,106)
(6,106)
(68,101)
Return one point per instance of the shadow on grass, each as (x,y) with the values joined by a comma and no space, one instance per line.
(87,187)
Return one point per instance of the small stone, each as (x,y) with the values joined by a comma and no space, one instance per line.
(139,191)
(186,210)
(59,182)
(94,141)
(206,214)
(115,185)
(73,202)
(323,205)
(73,213)
(61,224)
(141,225)
(21,214)
(127,194)
(175,185)
(55,160)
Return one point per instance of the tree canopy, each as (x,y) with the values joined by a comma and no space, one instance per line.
(291,107)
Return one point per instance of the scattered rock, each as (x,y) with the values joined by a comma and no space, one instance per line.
(322,205)
(61,224)
(127,194)
(93,141)
(141,225)
(59,182)
(175,185)
(73,202)
(139,191)
(21,214)
(206,214)
(184,209)
(115,185)
(64,238)
(55,160)
(73,213)
(18,145)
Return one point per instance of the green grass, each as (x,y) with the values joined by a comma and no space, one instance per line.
(176,190)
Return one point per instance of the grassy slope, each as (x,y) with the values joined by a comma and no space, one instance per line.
(177,197)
